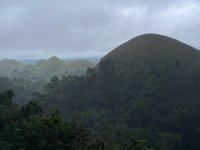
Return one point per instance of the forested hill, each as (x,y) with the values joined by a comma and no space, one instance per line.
(25,78)
(147,88)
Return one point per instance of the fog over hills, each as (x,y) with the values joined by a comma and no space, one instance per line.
(53,66)
(147,88)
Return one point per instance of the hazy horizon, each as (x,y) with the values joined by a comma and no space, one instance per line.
(77,29)
(45,58)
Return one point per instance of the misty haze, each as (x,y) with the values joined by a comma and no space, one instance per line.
(99,75)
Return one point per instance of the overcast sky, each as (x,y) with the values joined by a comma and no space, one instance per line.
(90,28)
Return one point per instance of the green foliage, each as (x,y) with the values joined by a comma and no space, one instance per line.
(135,145)
(147,88)
(26,79)
(24,128)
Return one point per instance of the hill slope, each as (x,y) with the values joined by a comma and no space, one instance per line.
(154,50)
(53,66)
(8,66)
(146,88)
(44,69)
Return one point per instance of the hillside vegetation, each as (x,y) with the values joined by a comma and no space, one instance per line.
(145,93)
(147,88)
(26,79)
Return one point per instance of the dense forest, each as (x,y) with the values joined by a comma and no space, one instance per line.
(26,128)
(145,93)
(27,77)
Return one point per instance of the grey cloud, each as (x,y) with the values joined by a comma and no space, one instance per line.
(70,28)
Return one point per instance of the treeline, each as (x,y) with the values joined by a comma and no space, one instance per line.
(23,87)
(141,103)
(26,128)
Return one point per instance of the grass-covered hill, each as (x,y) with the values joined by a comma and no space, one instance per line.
(80,64)
(43,68)
(147,88)
(7,66)
(154,50)
(152,60)
(26,78)
(53,66)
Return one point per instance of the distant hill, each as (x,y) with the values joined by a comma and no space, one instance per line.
(80,64)
(12,62)
(8,66)
(42,68)
(53,66)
